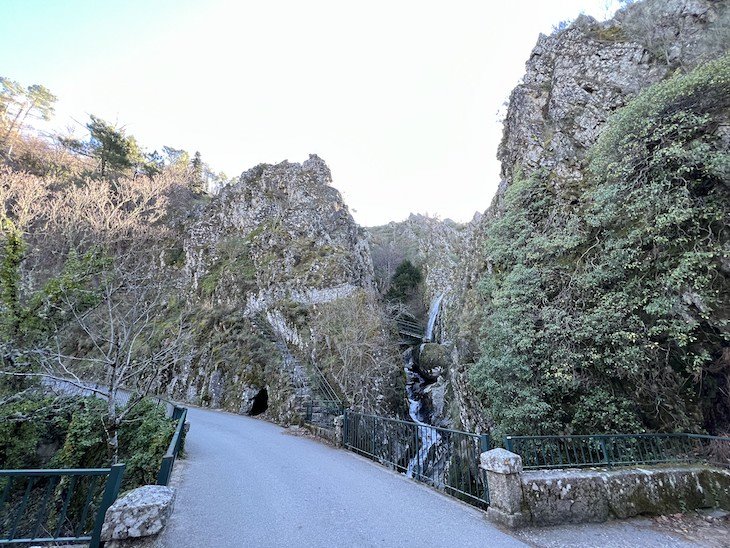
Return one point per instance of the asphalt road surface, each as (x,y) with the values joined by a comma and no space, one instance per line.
(249,483)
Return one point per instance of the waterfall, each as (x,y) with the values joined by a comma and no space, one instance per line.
(433,314)
(415,384)
(415,388)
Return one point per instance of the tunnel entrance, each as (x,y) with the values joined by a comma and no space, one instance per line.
(260,402)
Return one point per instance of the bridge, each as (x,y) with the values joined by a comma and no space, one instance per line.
(410,331)
(248,482)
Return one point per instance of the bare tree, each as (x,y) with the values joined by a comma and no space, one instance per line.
(107,320)
(132,344)
(353,342)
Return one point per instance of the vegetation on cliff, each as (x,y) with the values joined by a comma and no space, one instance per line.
(609,313)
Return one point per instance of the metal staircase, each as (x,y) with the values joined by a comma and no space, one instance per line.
(316,399)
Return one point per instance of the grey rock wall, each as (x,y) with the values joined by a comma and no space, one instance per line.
(275,244)
(574,496)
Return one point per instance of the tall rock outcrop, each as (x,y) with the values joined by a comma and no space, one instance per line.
(574,80)
(296,231)
(258,257)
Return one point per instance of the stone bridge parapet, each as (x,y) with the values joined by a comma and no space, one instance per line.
(550,497)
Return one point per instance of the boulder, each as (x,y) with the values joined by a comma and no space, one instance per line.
(140,513)
(433,360)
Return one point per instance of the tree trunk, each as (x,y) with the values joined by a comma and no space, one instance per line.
(112,432)
(14,122)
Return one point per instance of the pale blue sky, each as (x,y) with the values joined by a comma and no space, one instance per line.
(401,98)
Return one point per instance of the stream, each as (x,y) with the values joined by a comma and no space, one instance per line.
(415,387)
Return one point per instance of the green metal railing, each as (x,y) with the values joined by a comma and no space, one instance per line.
(173,450)
(326,403)
(443,458)
(410,329)
(618,450)
(56,506)
(322,412)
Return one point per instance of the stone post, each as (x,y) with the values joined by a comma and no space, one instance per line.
(339,430)
(505,486)
(142,512)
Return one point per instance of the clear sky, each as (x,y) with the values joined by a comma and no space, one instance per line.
(403,99)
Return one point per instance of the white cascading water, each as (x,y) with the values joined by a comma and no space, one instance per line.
(427,437)
(415,384)
(433,314)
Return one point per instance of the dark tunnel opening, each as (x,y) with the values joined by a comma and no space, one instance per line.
(260,402)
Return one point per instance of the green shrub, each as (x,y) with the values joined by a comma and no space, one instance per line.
(73,430)
(405,280)
(609,313)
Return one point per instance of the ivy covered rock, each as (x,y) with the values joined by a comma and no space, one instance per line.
(433,360)
(609,313)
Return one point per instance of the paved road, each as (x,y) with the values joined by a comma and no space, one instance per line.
(249,483)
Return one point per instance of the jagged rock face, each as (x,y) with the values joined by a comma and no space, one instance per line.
(574,80)
(290,232)
(577,77)
(278,241)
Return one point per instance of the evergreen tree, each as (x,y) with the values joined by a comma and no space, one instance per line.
(197,179)
(404,282)
(113,149)
(17,103)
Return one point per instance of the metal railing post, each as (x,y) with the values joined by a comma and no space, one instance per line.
(168,460)
(180,431)
(345,429)
(508,443)
(483,443)
(111,490)
(606,458)
(163,476)
(483,447)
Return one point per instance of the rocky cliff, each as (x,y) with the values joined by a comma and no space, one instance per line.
(258,258)
(289,230)
(575,80)
(591,247)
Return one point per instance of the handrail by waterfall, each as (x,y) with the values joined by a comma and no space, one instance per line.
(410,330)
(444,458)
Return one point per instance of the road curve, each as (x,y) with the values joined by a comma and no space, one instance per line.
(247,482)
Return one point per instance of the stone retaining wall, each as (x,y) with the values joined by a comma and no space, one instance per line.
(549,497)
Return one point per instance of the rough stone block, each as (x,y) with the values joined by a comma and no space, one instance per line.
(140,513)
(505,492)
(553,497)
(501,461)
(339,423)
(505,518)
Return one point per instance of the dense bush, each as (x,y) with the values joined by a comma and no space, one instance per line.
(405,282)
(47,432)
(610,312)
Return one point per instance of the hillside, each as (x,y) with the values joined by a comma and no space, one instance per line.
(592,296)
